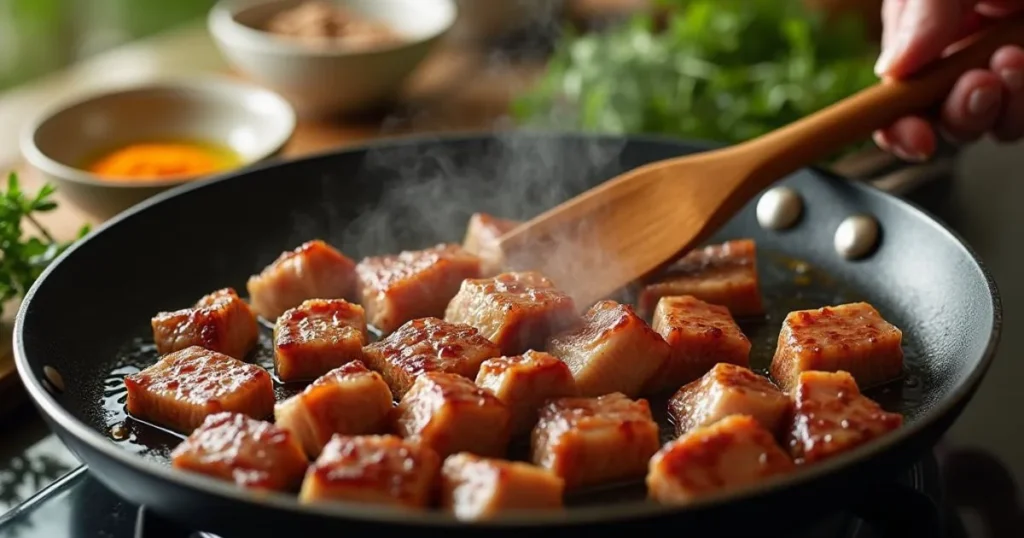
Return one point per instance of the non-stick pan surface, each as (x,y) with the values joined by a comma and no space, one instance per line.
(88,316)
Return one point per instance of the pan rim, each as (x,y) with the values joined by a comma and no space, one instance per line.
(372,514)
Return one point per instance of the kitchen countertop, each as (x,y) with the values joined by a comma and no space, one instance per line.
(979,200)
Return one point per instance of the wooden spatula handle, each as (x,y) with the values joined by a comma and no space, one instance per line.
(854,119)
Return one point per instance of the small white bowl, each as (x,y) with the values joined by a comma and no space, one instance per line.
(253,122)
(321,81)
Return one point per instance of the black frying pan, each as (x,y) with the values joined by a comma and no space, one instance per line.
(88,315)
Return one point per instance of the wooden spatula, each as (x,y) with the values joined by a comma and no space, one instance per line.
(622,230)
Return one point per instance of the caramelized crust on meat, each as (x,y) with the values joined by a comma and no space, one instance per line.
(517,311)
(317,336)
(378,469)
(613,351)
(220,321)
(413,284)
(475,488)
(728,390)
(524,383)
(314,270)
(450,414)
(428,345)
(700,335)
(349,400)
(482,236)
(724,274)
(251,453)
(184,387)
(831,416)
(731,453)
(592,441)
(851,337)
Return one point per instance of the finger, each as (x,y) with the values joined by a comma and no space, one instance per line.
(973,105)
(1008,64)
(924,30)
(891,11)
(911,139)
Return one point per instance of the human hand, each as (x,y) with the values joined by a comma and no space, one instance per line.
(916,32)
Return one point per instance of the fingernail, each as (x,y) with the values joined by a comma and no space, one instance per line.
(982,100)
(1013,78)
(884,61)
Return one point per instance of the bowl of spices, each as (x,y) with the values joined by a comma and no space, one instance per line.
(111,150)
(330,57)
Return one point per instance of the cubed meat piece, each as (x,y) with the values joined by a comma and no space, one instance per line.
(249,452)
(700,335)
(349,400)
(428,345)
(724,274)
(728,390)
(525,382)
(613,351)
(732,453)
(314,270)
(184,387)
(851,337)
(413,284)
(475,488)
(450,414)
(220,321)
(481,239)
(517,311)
(316,337)
(830,416)
(594,441)
(378,469)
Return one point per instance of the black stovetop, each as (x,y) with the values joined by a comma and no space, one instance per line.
(930,500)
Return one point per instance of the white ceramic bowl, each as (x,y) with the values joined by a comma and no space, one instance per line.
(253,122)
(330,80)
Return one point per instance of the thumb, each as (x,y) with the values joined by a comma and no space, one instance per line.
(925,29)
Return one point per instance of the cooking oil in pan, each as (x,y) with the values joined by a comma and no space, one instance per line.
(787,285)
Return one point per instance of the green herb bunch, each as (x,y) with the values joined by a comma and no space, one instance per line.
(720,70)
(25,256)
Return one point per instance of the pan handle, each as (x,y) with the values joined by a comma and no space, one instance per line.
(894,176)
(913,505)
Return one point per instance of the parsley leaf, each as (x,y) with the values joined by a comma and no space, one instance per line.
(23,258)
(720,70)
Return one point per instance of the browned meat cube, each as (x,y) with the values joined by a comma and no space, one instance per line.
(450,414)
(728,390)
(316,337)
(314,270)
(700,335)
(349,400)
(593,441)
(413,284)
(613,351)
(517,311)
(249,452)
(724,274)
(181,389)
(475,488)
(851,337)
(524,383)
(428,345)
(220,321)
(732,453)
(830,416)
(481,239)
(378,469)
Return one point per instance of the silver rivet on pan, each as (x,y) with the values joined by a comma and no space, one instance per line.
(856,236)
(779,208)
(54,378)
